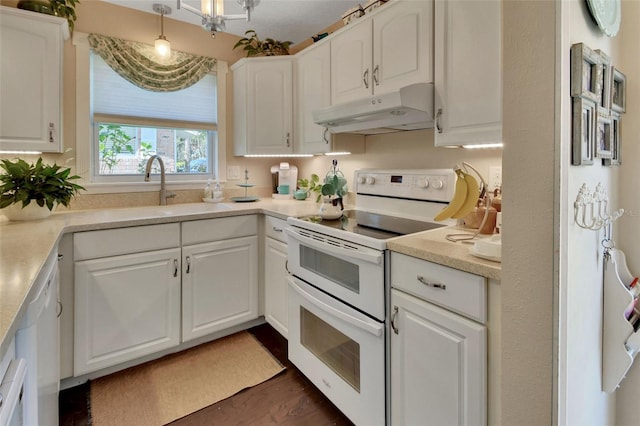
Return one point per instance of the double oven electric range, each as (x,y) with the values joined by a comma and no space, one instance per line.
(338,290)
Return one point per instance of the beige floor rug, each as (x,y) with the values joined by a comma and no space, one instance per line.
(171,387)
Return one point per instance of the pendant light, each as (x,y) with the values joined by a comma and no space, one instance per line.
(162,45)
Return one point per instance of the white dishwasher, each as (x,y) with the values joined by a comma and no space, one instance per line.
(12,373)
(37,341)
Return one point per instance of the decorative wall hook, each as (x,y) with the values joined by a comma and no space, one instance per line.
(591,209)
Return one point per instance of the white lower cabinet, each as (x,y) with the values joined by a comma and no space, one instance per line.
(275,275)
(125,307)
(138,291)
(219,285)
(438,357)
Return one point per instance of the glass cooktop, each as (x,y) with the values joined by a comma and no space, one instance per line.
(374,225)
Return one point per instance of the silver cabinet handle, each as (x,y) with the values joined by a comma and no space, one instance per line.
(61,308)
(438,115)
(175,268)
(286,266)
(50,132)
(376,69)
(393,319)
(288,143)
(430,284)
(188,264)
(275,229)
(365,78)
(324,135)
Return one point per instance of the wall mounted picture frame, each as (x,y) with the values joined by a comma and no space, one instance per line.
(616,141)
(586,72)
(603,86)
(583,131)
(604,139)
(618,91)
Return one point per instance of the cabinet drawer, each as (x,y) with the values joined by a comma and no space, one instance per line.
(224,228)
(459,291)
(113,242)
(274,228)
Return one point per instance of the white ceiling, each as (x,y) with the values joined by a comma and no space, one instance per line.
(292,20)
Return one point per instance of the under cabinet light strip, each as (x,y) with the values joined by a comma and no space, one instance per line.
(21,152)
(276,155)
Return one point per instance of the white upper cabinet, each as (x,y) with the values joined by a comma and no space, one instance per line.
(468,72)
(390,50)
(263,106)
(31,46)
(313,91)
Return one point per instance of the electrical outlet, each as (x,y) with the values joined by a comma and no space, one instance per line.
(233,173)
(495,178)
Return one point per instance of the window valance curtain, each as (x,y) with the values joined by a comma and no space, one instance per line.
(139,64)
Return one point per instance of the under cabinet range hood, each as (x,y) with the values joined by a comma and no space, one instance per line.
(409,108)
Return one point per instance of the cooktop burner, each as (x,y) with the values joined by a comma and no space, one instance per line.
(374,225)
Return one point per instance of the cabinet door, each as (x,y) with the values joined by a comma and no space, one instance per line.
(31,85)
(125,307)
(438,365)
(351,59)
(313,74)
(275,285)
(468,72)
(267,105)
(403,46)
(219,285)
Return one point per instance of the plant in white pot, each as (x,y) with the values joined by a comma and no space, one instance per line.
(332,191)
(31,191)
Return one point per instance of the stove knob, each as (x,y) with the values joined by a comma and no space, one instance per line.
(423,183)
(437,184)
(361,179)
(370,180)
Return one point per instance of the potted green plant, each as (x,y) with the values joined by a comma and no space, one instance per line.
(61,8)
(45,185)
(252,44)
(311,185)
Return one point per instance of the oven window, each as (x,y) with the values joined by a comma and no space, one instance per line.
(337,270)
(337,351)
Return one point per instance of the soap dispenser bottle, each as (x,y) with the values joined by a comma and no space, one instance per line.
(217,191)
(208,191)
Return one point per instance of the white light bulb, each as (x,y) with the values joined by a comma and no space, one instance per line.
(163,47)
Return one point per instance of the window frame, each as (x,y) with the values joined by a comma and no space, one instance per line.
(85,134)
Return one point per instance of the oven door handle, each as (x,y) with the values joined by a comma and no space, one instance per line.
(374,329)
(376,258)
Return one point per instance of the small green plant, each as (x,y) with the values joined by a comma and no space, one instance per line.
(311,185)
(45,184)
(334,185)
(252,44)
(65,9)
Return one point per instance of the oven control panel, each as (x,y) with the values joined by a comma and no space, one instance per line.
(426,184)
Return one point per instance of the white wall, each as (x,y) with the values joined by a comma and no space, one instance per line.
(629,225)
(582,401)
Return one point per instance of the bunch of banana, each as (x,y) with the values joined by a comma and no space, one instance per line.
(465,197)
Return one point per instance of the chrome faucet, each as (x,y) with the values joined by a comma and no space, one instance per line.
(163,184)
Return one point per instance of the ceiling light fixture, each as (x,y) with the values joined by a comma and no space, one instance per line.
(163,47)
(212,13)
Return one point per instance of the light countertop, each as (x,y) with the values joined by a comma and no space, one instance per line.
(25,246)
(433,246)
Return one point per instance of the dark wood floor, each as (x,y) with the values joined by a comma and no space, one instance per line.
(287,399)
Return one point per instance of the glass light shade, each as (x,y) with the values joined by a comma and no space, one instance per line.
(212,7)
(163,47)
